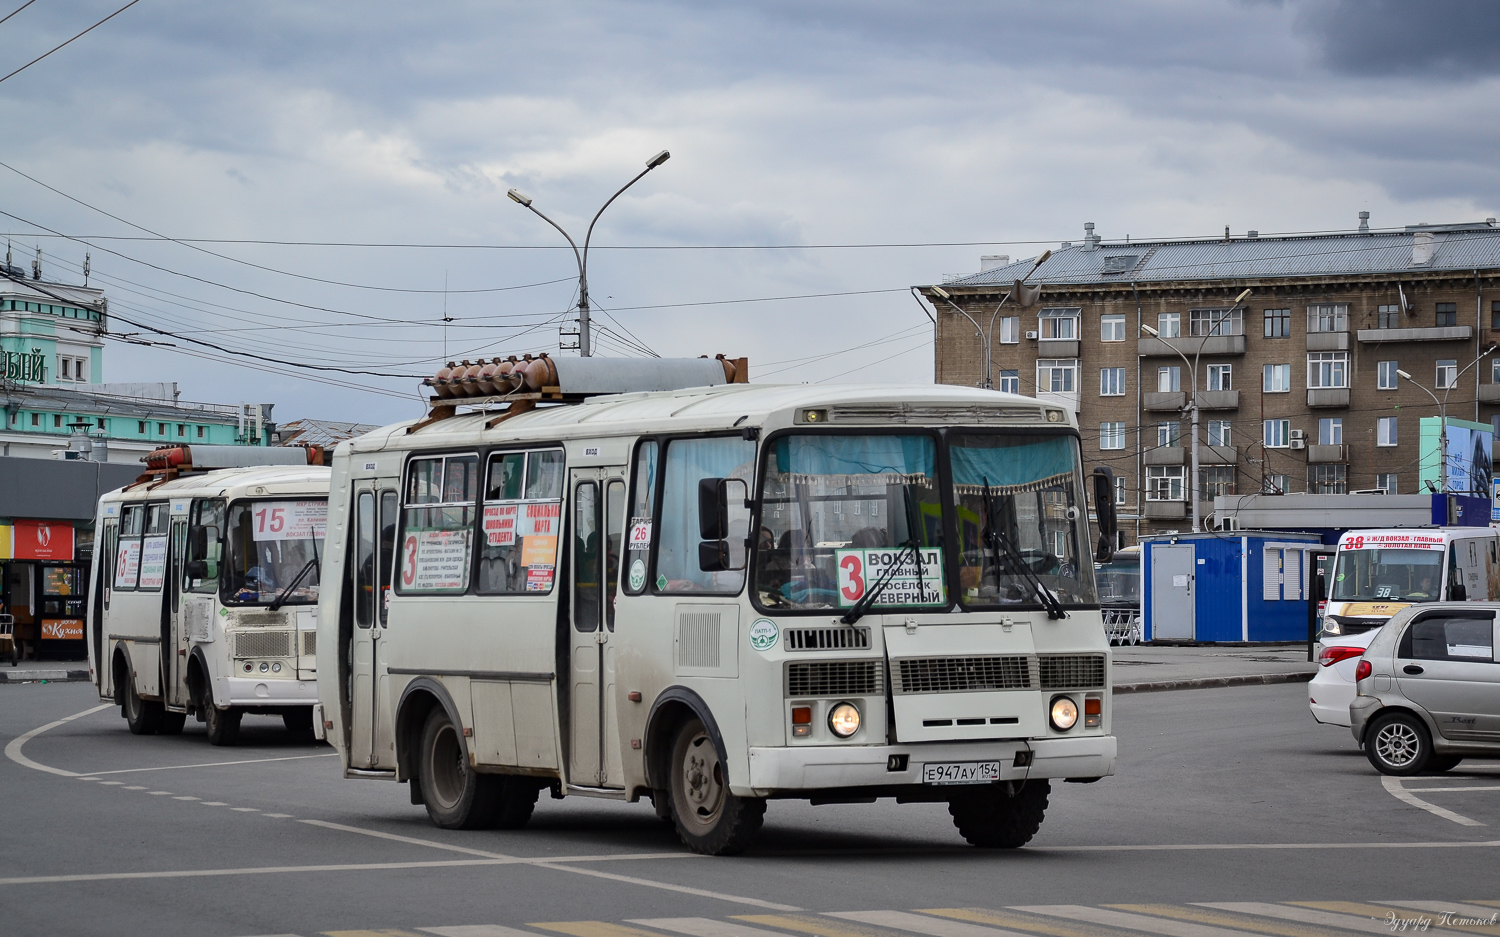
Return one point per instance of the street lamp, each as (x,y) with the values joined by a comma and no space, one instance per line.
(1442,406)
(987,338)
(1192,406)
(585,338)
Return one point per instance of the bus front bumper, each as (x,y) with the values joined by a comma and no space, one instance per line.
(812,768)
(251,692)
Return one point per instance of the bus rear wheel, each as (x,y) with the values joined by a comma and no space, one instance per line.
(142,716)
(709,819)
(457,796)
(1000,817)
(171,723)
(298,720)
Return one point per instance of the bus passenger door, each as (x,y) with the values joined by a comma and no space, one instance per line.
(597,531)
(174,643)
(364,652)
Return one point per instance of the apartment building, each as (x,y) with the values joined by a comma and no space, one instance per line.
(1300,386)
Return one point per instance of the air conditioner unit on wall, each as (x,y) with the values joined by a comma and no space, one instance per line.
(1031,335)
(1297,435)
(1297,443)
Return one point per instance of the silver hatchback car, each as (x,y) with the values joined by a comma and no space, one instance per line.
(1429,689)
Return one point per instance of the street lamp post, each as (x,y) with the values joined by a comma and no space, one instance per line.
(987,338)
(585,337)
(1442,406)
(1192,406)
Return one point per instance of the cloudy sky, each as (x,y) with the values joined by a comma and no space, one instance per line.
(805,139)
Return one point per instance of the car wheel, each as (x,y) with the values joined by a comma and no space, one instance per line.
(457,797)
(142,716)
(996,818)
(1442,763)
(709,819)
(1398,744)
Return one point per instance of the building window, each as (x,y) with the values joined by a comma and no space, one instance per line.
(1111,382)
(99,422)
(1385,431)
(1277,379)
(36,419)
(1331,431)
(1278,323)
(1327,479)
(161,429)
(1385,375)
(1164,483)
(1328,369)
(1328,317)
(1120,490)
(140,427)
(1386,483)
(66,367)
(81,370)
(57,421)
(1277,484)
(1388,317)
(202,431)
(1215,481)
(1010,382)
(1169,324)
(1169,379)
(1112,328)
(1277,432)
(1057,375)
(1111,435)
(1219,376)
(1495,313)
(1218,433)
(1168,434)
(181,430)
(1010,330)
(1447,373)
(1059,323)
(1204,322)
(1447,314)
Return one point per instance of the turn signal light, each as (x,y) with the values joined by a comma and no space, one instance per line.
(801,715)
(1362,670)
(1332,655)
(1093,707)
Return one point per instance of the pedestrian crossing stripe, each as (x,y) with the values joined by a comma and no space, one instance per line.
(1205,919)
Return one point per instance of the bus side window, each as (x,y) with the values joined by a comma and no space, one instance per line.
(614,534)
(128,557)
(687,462)
(388,509)
(586,557)
(521,521)
(364,559)
(638,534)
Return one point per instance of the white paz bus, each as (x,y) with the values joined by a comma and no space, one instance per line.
(1379,572)
(712,594)
(205,589)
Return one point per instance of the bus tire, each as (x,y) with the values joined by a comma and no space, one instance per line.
(223,725)
(517,801)
(457,797)
(298,720)
(171,723)
(142,716)
(709,819)
(661,802)
(995,818)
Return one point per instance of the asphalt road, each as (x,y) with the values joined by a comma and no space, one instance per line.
(1221,796)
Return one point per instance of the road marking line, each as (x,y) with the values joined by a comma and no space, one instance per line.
(280,816)
(219,764)
(1225,919)
(476,930)
(1393,785)
(1378,913)
(814,924)
(245,809)
(593,929)
(259,870)
(160,793)
(386,932)
(681,889)
(110,783)
(88,779)
(1018,922)
(185,797)
(13,750)
(1455,908)
(1302,915)
(703,927)
(135,787)
(410,840)
(1123,920)
(922,924)
(214,803)
(1445,790)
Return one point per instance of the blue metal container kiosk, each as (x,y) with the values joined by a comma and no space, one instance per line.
(1239,586)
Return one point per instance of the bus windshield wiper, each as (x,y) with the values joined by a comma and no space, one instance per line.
(863,605)
(281,596)
(999,542)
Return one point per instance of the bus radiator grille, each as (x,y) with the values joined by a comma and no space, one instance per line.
(834,678)
(263,644)
(1071,671)
(827,639)
(958,674)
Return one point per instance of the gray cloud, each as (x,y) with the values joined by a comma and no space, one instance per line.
(1448,39)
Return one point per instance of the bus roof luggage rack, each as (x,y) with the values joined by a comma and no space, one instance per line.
(525,382)
(169,462)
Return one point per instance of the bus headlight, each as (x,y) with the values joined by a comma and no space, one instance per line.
(843,720)
(1064,713)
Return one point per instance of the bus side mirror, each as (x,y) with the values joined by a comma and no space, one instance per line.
(1458,592)
(1104,510)
(713,509)
(723,524)
(196,569)
(198,548)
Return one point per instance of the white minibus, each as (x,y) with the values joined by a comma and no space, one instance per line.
(205,589)
(1379,572)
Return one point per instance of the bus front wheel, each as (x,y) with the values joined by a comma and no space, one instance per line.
(223,725)
(709,819)
(142,716)
(457,797)
(999,817)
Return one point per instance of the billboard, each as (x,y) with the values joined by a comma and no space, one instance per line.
(1469,456)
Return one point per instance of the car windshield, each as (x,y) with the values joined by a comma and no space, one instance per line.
(1411,575)
(840,514)
(271,543)
(1119,581)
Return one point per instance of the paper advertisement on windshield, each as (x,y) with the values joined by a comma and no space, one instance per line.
(289,520)
(862,570)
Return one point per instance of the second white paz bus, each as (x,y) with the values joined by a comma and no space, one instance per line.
(717,595)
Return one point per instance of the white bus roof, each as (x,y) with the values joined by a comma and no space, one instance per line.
(234,482)
(726,406)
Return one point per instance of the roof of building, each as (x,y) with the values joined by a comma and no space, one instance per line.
(82,399)
(325,433)
(1459,247)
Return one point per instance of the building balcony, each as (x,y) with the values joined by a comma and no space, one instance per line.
(1218,400)
(1328,397)
(1192,345)
(1057,348)
(1170,400)
(1218,455)
(1167,455)
(1449,333)
(1067,399)
(1328,341)
(1319,455)
(1489,393)
(1166,510)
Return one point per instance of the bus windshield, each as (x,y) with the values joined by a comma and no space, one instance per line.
(1409,575)
(275,547)
(1119,581)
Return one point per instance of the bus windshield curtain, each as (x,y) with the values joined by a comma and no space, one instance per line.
(838,461)
(1011,465)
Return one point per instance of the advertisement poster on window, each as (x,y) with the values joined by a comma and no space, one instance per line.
(436,560)
(127,564)
(500,524)
(153,562)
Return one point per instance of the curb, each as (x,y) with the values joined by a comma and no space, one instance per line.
(1203,683)
(38,676)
